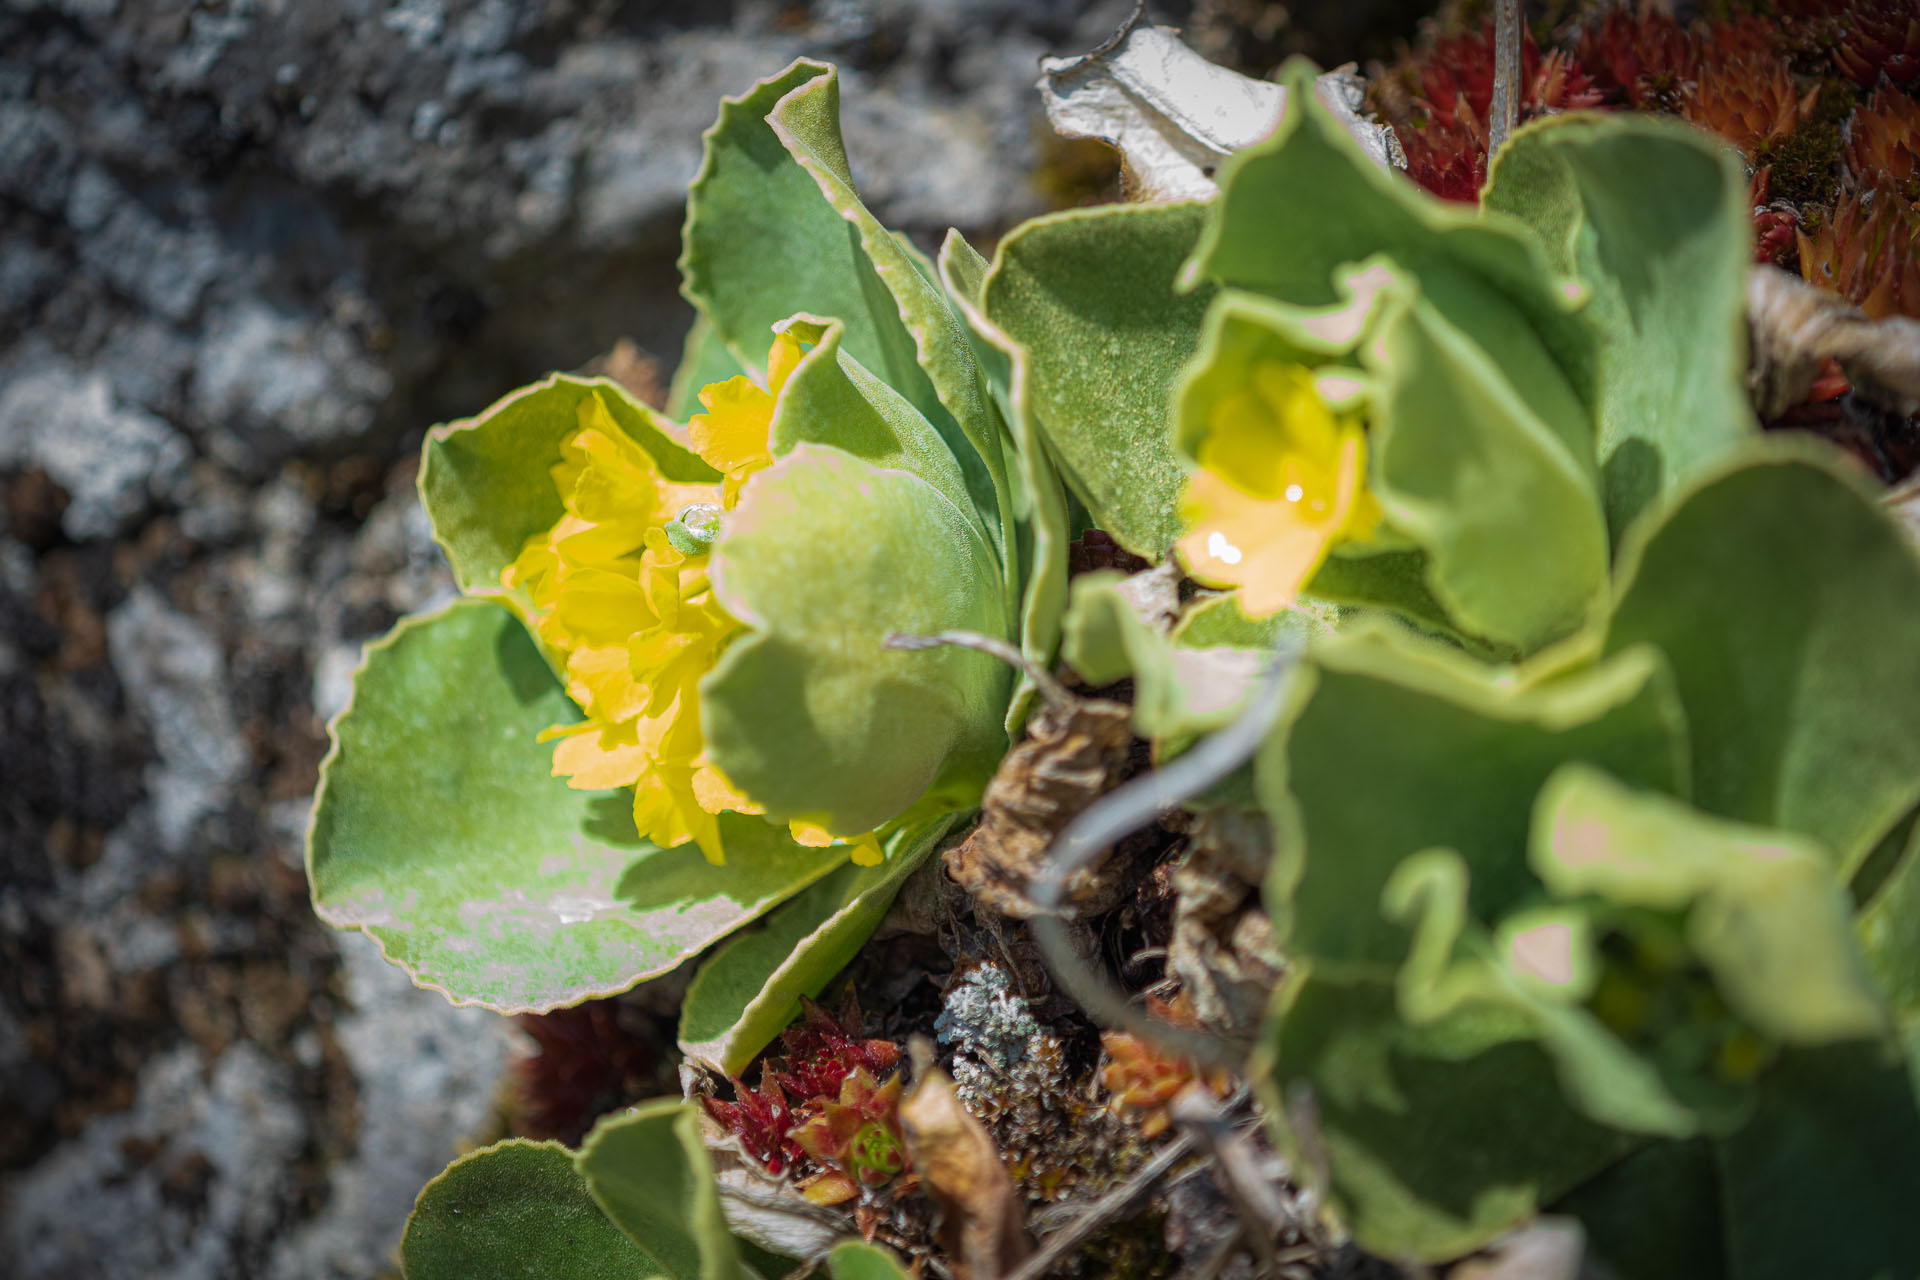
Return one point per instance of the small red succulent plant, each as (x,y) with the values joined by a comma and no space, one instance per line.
(823,1109)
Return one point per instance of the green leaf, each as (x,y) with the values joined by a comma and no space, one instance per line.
(520,1204)
(1088,296)
(1179,689)
(807,122)
(1037,498)
(808,712)
(856,1261)
(1657,1214)
(440,831)
(1766,914)
(1788,604)
(648,1169)
(1516,543)
(830,399)
(1216,622)
(1650,216)
(750,988)
(1437,1138)
(704,360)
(1399,745)
(1298,207)
(1889,928)
(485,480)
(1821,1181)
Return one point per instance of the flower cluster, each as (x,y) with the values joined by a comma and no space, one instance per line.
(619,591)
(1141,1077)
(823,1106)
(1281,481)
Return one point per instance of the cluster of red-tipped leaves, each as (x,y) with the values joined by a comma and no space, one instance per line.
(588,1060)
(1816,97)
(822,1107)
(1144,1078)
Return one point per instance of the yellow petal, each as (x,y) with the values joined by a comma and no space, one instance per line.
(598,760)
(733,431)
(781,360)
(1269,549)
(600,679)
(602,607)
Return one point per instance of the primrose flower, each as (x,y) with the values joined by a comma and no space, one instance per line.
(619,590)
(1282,479)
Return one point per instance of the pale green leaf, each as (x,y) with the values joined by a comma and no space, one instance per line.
(485,481)
(1515,540)
(1399,745)
(857,1261)
(648,1169)
(1039,501)
(521,1205)
(1088,297)
(807,122)
(1272,231)
(807,711)
(750,988)
(1766,914)
(1651,217)
(830,399)
(1788,604)
(1437,1138)
(440,830)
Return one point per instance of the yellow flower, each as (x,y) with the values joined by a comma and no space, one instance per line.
(731,436)
(1281,480)
(632,618)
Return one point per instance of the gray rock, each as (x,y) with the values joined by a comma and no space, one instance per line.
(175,675)
(110,458)
(187,1184)
(265,370)
(427,1072)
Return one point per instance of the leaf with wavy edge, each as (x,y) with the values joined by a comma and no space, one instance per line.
(486,481)
(523,1201)
(1270,232)
(1650,217)
(807,122)
(440,831)
(831,399)
(649,1170)
(1088,297)
(750,988)
(1788,604)
(1038,498)
(1396,744)
(807,711)
(856,1260)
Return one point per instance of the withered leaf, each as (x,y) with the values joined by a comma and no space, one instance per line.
(983,1226)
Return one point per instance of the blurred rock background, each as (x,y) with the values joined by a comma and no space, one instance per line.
(249,251)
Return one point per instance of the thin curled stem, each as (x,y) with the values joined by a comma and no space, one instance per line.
(1505,111)
(1118,814)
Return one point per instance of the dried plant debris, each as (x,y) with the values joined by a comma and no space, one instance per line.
(1174,116)
(1076,749)
(1796,328)
(1223,951)
(1014,1075)
(983,1223)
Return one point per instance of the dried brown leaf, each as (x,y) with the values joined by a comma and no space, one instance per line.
(983,1227)
(1076,749)
(1793,327)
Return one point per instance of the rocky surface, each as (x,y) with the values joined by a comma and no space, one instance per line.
(248,251)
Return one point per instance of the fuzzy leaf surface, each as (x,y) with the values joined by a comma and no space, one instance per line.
(750,988)
(1651,218)
(648,1169)
(1788,605)
(485,481)
(440,831)
(807,711)
(522,1201)
(1088,297)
